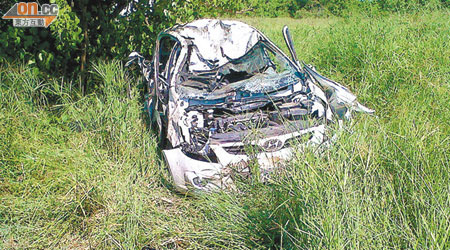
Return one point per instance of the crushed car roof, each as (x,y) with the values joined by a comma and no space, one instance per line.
(216,41)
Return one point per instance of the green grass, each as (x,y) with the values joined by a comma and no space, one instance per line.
(85,172)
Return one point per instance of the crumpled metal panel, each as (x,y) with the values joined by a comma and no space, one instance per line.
(216,41)
(340,99)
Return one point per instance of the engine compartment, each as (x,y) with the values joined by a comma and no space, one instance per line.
(207,125)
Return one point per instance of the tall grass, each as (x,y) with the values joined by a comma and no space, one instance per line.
(386,181)
(85,172)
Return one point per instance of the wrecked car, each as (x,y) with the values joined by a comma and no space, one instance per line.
(219,89)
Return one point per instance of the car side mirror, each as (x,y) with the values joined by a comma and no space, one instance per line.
(290,44)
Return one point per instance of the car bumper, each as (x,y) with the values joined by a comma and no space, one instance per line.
(191,174)
(196,175)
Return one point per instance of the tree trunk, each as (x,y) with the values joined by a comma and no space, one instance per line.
(83,83)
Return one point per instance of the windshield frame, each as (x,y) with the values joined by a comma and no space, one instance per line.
(209,75)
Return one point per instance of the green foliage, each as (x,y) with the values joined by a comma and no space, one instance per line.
(414,5)
(68,32)
(88,30)
(85,30)
(85,171)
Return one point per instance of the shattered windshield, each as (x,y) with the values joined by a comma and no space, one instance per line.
(260,70)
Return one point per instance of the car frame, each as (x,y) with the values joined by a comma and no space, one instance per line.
(221,101)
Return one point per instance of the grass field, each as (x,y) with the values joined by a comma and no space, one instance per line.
(85,172)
